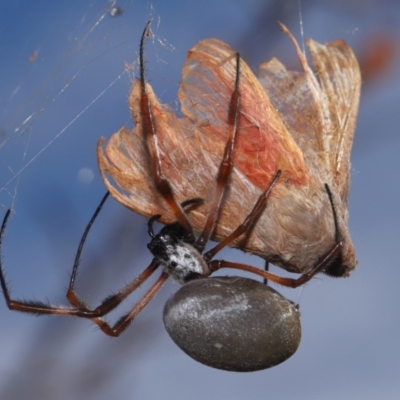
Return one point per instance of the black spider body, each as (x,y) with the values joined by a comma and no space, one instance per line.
(180,259)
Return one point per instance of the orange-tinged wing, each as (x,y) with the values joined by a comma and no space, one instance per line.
(319,110)
(264,143)
(286,122)
(340,79)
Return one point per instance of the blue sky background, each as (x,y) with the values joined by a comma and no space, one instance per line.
(53,111)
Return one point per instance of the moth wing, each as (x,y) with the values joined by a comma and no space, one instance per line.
(264,144)
(292,95)
(126,167)
(340,79)
(297,226)
(320,110)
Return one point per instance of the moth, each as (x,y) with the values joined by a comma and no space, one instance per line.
(299,122)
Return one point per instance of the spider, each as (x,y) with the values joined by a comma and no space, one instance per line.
(175,248)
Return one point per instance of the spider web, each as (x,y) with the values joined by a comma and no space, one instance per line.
(75,56)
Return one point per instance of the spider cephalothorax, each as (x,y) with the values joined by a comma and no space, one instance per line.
(181,260)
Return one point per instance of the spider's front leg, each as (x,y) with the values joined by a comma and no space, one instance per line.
(149,128)
(226,165)
(250,220)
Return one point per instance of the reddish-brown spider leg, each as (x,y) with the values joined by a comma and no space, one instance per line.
(321,264)
(226,163)
(40,308)
(126,320)
(215,265)
(150,133)
(250,220)
(114,300)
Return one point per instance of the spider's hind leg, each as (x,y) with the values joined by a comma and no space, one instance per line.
(332,258)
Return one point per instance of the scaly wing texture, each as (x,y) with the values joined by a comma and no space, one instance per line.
(320,112)
(339,75)
(264,144)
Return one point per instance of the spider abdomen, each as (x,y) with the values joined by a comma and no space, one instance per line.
(233,323)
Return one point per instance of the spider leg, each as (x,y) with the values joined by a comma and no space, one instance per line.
(126,320)
(112,301)
(34,307)
(247,223)
(80,309)
(324,262)
(266,268)
(215,265)
(82,243)
(226,164)
(150,132)
(187,203)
